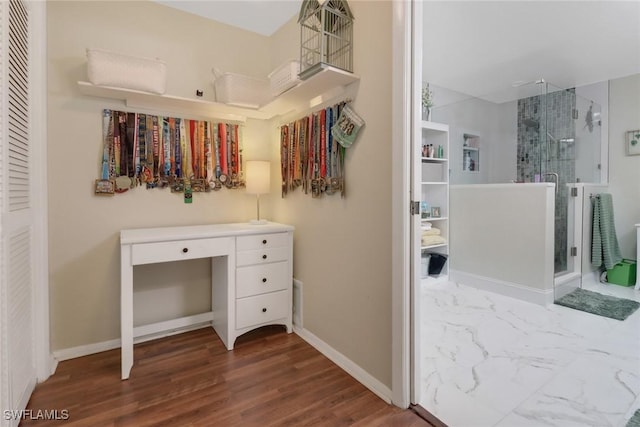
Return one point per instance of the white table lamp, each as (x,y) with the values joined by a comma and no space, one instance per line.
(258,181)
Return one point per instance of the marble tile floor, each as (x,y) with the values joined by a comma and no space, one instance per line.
(491,360)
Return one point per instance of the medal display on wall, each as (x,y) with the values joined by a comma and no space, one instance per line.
(313,150)
(160,152)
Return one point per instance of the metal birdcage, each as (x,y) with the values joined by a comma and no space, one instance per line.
(326,36)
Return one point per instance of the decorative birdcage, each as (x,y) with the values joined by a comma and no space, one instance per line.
(326,36)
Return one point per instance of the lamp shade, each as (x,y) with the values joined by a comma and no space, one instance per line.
(258,177)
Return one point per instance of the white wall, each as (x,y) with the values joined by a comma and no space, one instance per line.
(624,171)
(502,234)
(494,123)
(503,163)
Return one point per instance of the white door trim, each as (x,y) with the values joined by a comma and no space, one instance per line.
(38,82)
(400,173)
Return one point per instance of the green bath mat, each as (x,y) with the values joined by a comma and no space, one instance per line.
(602,305)
(635,420)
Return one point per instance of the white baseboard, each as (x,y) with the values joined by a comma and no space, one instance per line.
(53,364)
(513,290)
(99,347)
(566,283)
(350,367)
(591,278)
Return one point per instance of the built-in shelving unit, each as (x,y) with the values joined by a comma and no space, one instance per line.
(327,84)
(434,191)
(471,153)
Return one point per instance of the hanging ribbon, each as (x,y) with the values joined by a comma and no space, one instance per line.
(187,155)
(312,150)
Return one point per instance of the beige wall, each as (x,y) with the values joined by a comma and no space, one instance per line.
(83,228)
(342,247)
(624,171)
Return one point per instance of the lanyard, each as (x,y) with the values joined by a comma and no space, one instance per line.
(106,120)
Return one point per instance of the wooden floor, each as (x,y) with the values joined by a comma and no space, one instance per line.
(270,379)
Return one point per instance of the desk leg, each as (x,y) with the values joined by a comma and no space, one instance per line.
(126,310)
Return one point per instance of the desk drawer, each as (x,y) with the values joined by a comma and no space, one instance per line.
(258,241)
(262,256)
(178,250)
(259,309)
(260,279)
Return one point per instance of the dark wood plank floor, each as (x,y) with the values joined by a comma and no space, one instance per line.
(270,379)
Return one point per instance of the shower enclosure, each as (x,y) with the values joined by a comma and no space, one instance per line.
(533,132)
(559,141)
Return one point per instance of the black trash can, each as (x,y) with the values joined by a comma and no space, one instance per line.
(436,263)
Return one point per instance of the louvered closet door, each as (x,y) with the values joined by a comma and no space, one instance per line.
(16,209)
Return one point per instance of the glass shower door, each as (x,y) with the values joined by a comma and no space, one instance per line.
(571,154)
(558,165)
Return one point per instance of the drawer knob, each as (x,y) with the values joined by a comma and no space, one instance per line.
(264,242)
(264,280)
(264,310)
(264,256)
(185,250)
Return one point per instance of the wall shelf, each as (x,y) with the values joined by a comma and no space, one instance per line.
(434,190)
(327,84)
(433,246)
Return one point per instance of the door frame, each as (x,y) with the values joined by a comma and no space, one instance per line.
(404,44)
(45,364)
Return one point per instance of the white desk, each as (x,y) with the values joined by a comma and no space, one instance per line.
(251,268)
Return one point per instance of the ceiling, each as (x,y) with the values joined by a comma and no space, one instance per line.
(480,47)
(260,16)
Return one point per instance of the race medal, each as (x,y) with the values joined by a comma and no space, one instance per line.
(198,185)
(123,183)
(188,195)
(334,184)
(223,178)
(322,185)
(315,188)
(105,187)
(217,186)
(177,185)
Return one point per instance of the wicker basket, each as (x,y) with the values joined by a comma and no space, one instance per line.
(240,90)
(284,77)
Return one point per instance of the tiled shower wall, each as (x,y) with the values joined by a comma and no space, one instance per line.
(538,117)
